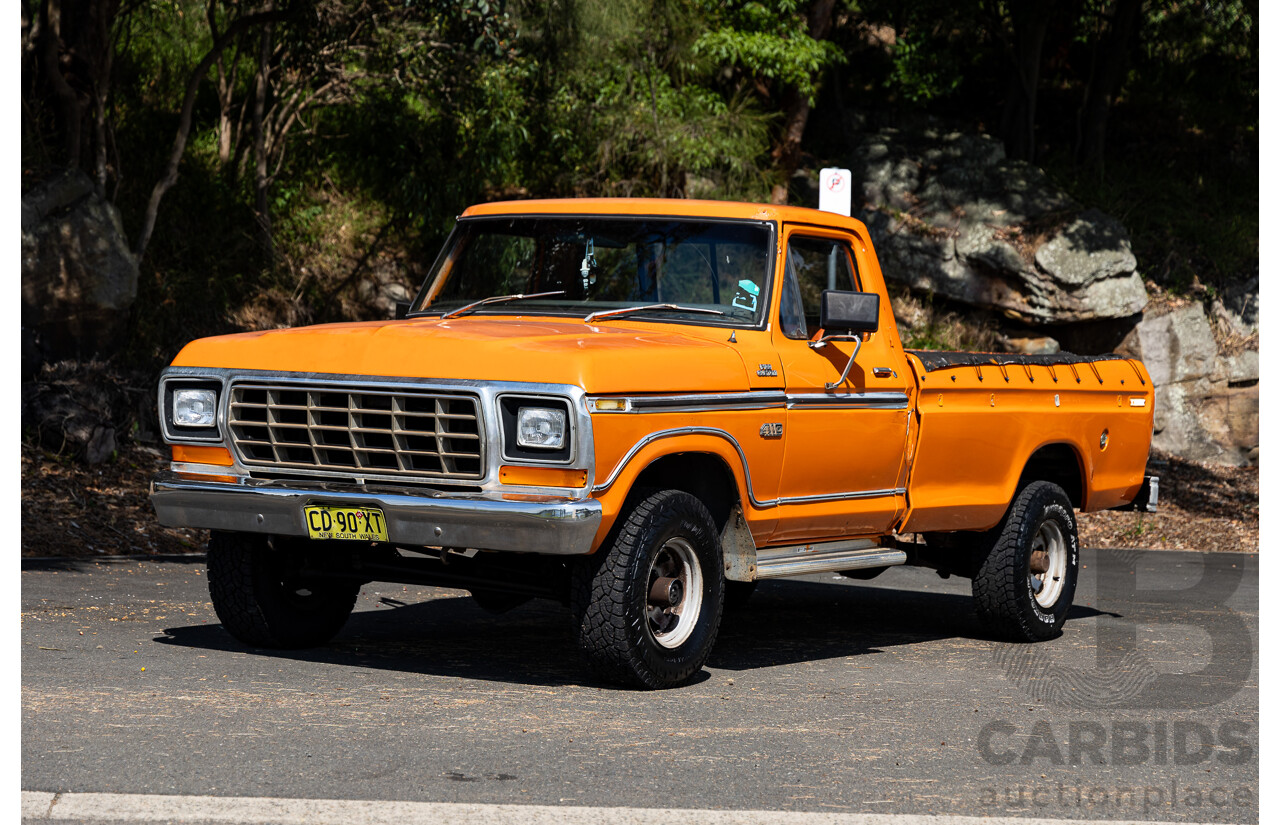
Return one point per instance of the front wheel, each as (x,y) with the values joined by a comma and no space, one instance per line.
(261,599)
(1025,585)
(647,611)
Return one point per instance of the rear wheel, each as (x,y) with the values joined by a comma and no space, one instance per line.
(261,598)
(648,609)
(1025,585)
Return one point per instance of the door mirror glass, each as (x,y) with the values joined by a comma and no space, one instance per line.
(849,312)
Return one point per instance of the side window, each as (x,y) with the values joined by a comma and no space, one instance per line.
(813,265)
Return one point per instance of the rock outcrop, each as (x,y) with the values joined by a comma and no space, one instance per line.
(1206,400)
(950,214)
(79,278)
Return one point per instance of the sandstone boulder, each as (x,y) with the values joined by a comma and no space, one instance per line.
(1206,402)
(79,278)
(950,214)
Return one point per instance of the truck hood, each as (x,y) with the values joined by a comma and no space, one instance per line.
(600,359)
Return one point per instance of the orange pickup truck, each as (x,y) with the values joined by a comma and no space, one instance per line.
(639,408)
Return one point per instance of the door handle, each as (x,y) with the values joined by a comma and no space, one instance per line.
(883,372)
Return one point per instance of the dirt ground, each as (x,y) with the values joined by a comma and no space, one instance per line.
(71,509)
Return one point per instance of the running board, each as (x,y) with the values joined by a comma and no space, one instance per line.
(854,554)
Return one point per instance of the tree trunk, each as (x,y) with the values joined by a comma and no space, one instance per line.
(70,107)
(170,176)
(261,182)
(1105,82)
(1018,123)
(101,87)
(226,90)
(786,154)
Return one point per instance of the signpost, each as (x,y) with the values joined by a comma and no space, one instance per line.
(835,190)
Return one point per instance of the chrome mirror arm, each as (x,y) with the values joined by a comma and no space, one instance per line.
(826,339)
(857,345)
(852,357)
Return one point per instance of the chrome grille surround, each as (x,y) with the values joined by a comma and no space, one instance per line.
(357,430)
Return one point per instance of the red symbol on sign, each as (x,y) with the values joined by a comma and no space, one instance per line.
(835,182)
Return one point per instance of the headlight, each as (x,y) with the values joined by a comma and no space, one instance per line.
(536,429)
(541,428)
(195,408)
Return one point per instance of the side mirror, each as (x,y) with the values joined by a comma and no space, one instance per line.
(849,313)
(402,309)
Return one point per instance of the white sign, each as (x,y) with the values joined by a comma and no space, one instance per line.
(835,188)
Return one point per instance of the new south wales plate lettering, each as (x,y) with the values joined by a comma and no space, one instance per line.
(350,523)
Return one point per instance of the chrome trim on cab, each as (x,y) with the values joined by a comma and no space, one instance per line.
(754,400)
(860,400)
(746,470)
(482,521)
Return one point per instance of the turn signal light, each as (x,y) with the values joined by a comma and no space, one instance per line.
(187,454)
(543,476)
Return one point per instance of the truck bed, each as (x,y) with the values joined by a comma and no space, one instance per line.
(983,417)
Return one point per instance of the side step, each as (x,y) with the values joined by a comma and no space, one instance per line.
(852,554)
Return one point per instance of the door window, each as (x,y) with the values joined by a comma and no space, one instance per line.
(813,265)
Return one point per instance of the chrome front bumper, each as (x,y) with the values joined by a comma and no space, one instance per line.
(429,518)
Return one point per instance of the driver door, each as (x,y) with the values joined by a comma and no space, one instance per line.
(844,467)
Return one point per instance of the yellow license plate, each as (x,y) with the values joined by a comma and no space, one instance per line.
(351,523)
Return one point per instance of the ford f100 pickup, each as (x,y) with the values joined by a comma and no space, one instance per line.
(639,408)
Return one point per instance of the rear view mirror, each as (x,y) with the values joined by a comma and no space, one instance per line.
(845,313)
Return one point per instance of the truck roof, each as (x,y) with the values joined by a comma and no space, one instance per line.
(682,207)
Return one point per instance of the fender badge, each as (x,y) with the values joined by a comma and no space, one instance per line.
(767,371)
(773,430)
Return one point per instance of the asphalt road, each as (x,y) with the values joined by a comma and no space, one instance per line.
(824,695)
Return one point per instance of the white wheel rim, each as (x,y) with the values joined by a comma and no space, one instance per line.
(672,626)
(1046,587)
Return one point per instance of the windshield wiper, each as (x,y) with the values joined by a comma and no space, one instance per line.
(608,313)
(497,299)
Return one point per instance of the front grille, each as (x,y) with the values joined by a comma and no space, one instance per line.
(351,430)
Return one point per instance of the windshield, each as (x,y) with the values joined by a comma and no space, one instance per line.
(605,263)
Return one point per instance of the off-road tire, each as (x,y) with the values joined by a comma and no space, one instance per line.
(1002,587)
(610,592)
(262,602)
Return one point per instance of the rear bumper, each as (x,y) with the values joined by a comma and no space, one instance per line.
(423,518)
(1148,497)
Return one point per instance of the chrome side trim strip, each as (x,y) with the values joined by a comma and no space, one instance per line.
(757,400)
(692,402)
(862,400)
(898,491)
(746,469)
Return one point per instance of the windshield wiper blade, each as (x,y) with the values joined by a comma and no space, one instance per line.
(608,313)
(497,299)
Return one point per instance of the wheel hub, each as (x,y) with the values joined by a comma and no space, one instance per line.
(674,598)
(1047,565)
